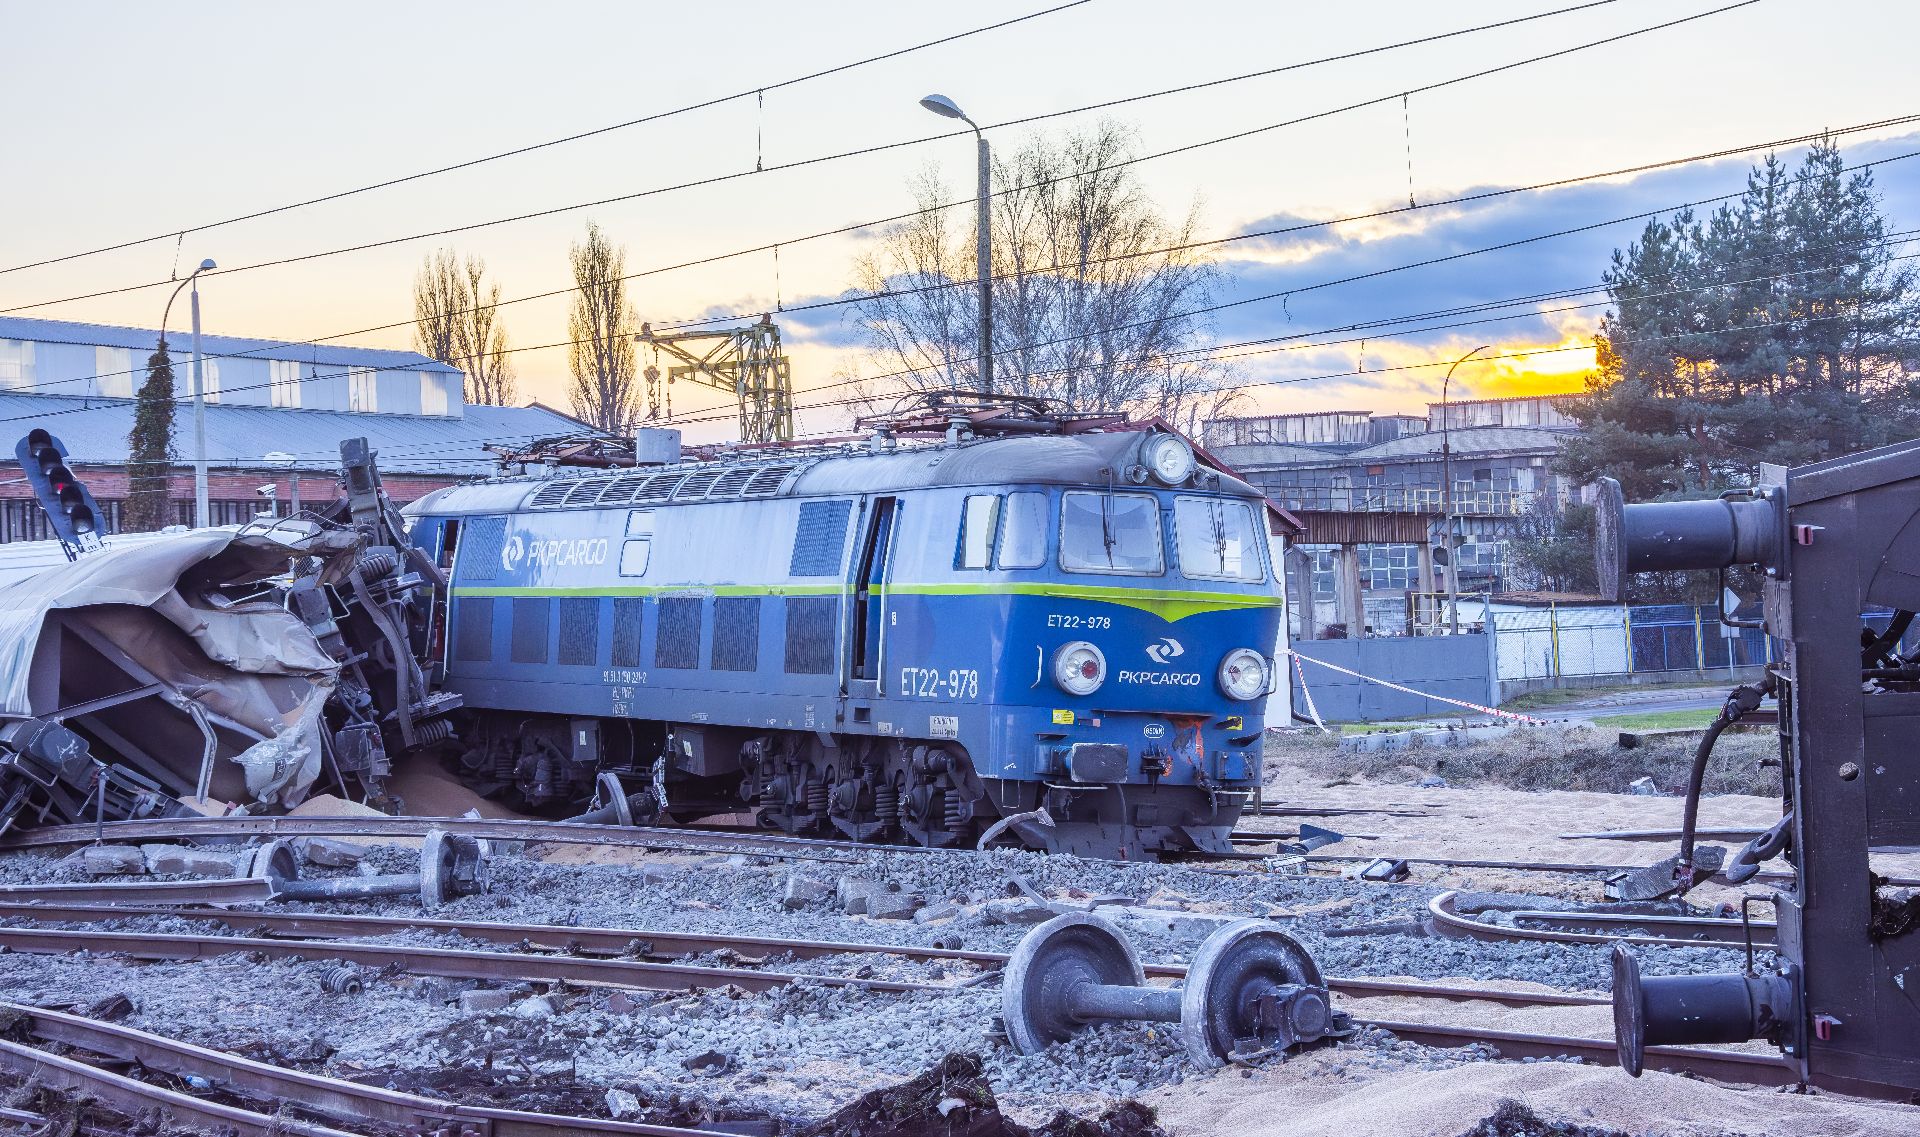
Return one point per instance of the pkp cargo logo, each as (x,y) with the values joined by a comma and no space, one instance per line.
(1166,650)
(512,553)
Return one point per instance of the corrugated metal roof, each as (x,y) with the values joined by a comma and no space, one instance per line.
(239,437)
(144,339)
(1464,441)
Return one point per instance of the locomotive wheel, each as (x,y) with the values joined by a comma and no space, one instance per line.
(1058,956)
(273,861)
(611,792)
(450,866)
(1240,975)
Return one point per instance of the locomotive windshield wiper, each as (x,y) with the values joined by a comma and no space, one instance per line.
(1106,520)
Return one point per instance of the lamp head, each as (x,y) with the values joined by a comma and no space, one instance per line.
(208,265)
(943,106)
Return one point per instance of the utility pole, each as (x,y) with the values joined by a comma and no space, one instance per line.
(200,507)
(1446,496)
(983,231)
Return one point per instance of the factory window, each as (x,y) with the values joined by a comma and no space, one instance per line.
(1218,540)
(113,372)
(283,382)
(1023,532)
(16,364)
(1111,532)
(433,393)
(677,640)
(209,379)
(362,390)
(976,531)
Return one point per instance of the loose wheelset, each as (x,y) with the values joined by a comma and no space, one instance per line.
(1251,989)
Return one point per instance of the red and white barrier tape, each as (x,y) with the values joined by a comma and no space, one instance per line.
(1308,695)
(1495,711)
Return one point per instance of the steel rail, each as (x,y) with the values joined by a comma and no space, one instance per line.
(1441,909)
(135,1097)
(1724,1065)
(230,890)
(446,963)
(620,941)
(485,828)
(330,1097)
(1703,928)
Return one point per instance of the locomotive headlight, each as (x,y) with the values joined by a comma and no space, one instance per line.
(1243,674)
(1079,668)
(1169,459)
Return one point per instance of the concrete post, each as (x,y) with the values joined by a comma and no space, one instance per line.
(1427,588)
(1346,591)
(1299,579)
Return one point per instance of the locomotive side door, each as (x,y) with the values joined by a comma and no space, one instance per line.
(867,644)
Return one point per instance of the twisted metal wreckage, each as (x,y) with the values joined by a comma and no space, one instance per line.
(284,655)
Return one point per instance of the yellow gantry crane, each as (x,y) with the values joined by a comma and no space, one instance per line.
(746,361)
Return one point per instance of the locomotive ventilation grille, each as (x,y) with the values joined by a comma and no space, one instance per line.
(667,485)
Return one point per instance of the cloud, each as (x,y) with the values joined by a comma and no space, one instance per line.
(1300,283)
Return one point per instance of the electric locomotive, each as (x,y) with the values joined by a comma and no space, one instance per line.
(1031,626)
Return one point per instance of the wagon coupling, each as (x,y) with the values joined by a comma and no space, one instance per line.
(1252,989)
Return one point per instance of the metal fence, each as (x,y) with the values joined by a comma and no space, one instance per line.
(1585,639)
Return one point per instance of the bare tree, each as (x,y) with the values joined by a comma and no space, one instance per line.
(1092,304)
(601,326)
(439,298)
(456,321)
(482,340)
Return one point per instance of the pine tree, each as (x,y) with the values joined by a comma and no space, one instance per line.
(1778,331)
(150,450)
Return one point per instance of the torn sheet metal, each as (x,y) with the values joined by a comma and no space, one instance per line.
(177,656)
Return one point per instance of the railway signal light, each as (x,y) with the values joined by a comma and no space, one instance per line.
(71,511)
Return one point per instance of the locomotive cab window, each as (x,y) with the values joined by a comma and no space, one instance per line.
(1111,532)
(1218,540)
(638,547)
(977,524)
(1023,531)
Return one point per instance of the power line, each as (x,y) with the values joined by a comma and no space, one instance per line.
(1289,292)
(904,143)
(1395,211)
(1897,238)
(1163,250)
(528,149)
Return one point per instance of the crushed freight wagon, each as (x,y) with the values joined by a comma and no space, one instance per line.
(223,666)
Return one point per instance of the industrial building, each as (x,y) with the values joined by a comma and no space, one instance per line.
(1334,462)
(275,414)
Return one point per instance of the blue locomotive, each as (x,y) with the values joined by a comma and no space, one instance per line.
(1071,631)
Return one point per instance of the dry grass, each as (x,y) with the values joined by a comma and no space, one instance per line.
(1558,757)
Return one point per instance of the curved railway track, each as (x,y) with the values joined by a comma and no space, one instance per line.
(1580,927)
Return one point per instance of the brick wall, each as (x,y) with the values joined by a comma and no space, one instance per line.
(230,494)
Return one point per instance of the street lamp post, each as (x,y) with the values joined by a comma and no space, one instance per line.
(1446,496)
(201,509)
(983,232)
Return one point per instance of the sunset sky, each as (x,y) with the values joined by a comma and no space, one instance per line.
(128,120)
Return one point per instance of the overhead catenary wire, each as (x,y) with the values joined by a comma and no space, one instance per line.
(711,416)
(1286,230)
(917,141)
(1319,285)
(180,234)
(1904,237)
